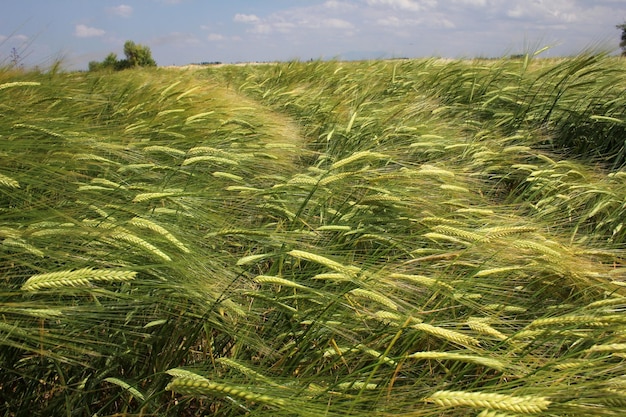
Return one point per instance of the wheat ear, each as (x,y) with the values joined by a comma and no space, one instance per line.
(356,156)
(524,405)
(150,225)
(185,383)
(19,84)
(246,371)
(76,278)
(335,266)
(124,385)
(266,279)
(374,296)
(8,182)
(478,360)
(137,241)
(481,326)
(451,335)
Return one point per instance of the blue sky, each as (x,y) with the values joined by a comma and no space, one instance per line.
(180,32)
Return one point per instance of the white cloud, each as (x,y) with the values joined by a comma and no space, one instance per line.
(394,21)
(563,11)
(122,10)
(246,18)
(332,4)
(176,38)
(213,37)
(433,21)
(262,29)
(339,6)
(21,38)
(415,27)
(475,3)
(407,5)
(84,31)
(335,23)
(332,15)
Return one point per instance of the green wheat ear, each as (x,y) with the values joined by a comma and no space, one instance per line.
(8,182)
(126,386)
(186,382)
(76,278)
(524,405)
(19,84)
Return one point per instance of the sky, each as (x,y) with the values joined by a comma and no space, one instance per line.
(181,32)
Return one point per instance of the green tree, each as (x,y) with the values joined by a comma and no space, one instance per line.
(109,63)
(622,43)
(136,56)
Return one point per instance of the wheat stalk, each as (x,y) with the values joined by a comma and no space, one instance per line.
(450,335)
(440,236)
(504,231)
(374,296)
(150,225)
(334,228)
(356,156)
(499,270)
(478,360)
(204,150)
(421,280)
(19,243)
(481,326)
(544,249)
(93,157)
(252,258)
(583,319)
(456,232)
(198,117)
(333,276)
(335,177)
(139,242)
(524,405)
(8,182)
(43,313)
(139,198)
(209,158)
(494,413)
(198,385)
(341,351)
(357,385)
(93,188)
(455,188)
(613,347)
(164,149)
(246,371)
(132,390)
(266,279)
(75,278)
(435,171)
(19,84)
(227,175)
(322,260)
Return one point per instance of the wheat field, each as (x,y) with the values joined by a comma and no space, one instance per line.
(381,238)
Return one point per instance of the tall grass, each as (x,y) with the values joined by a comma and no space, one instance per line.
(326,238)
